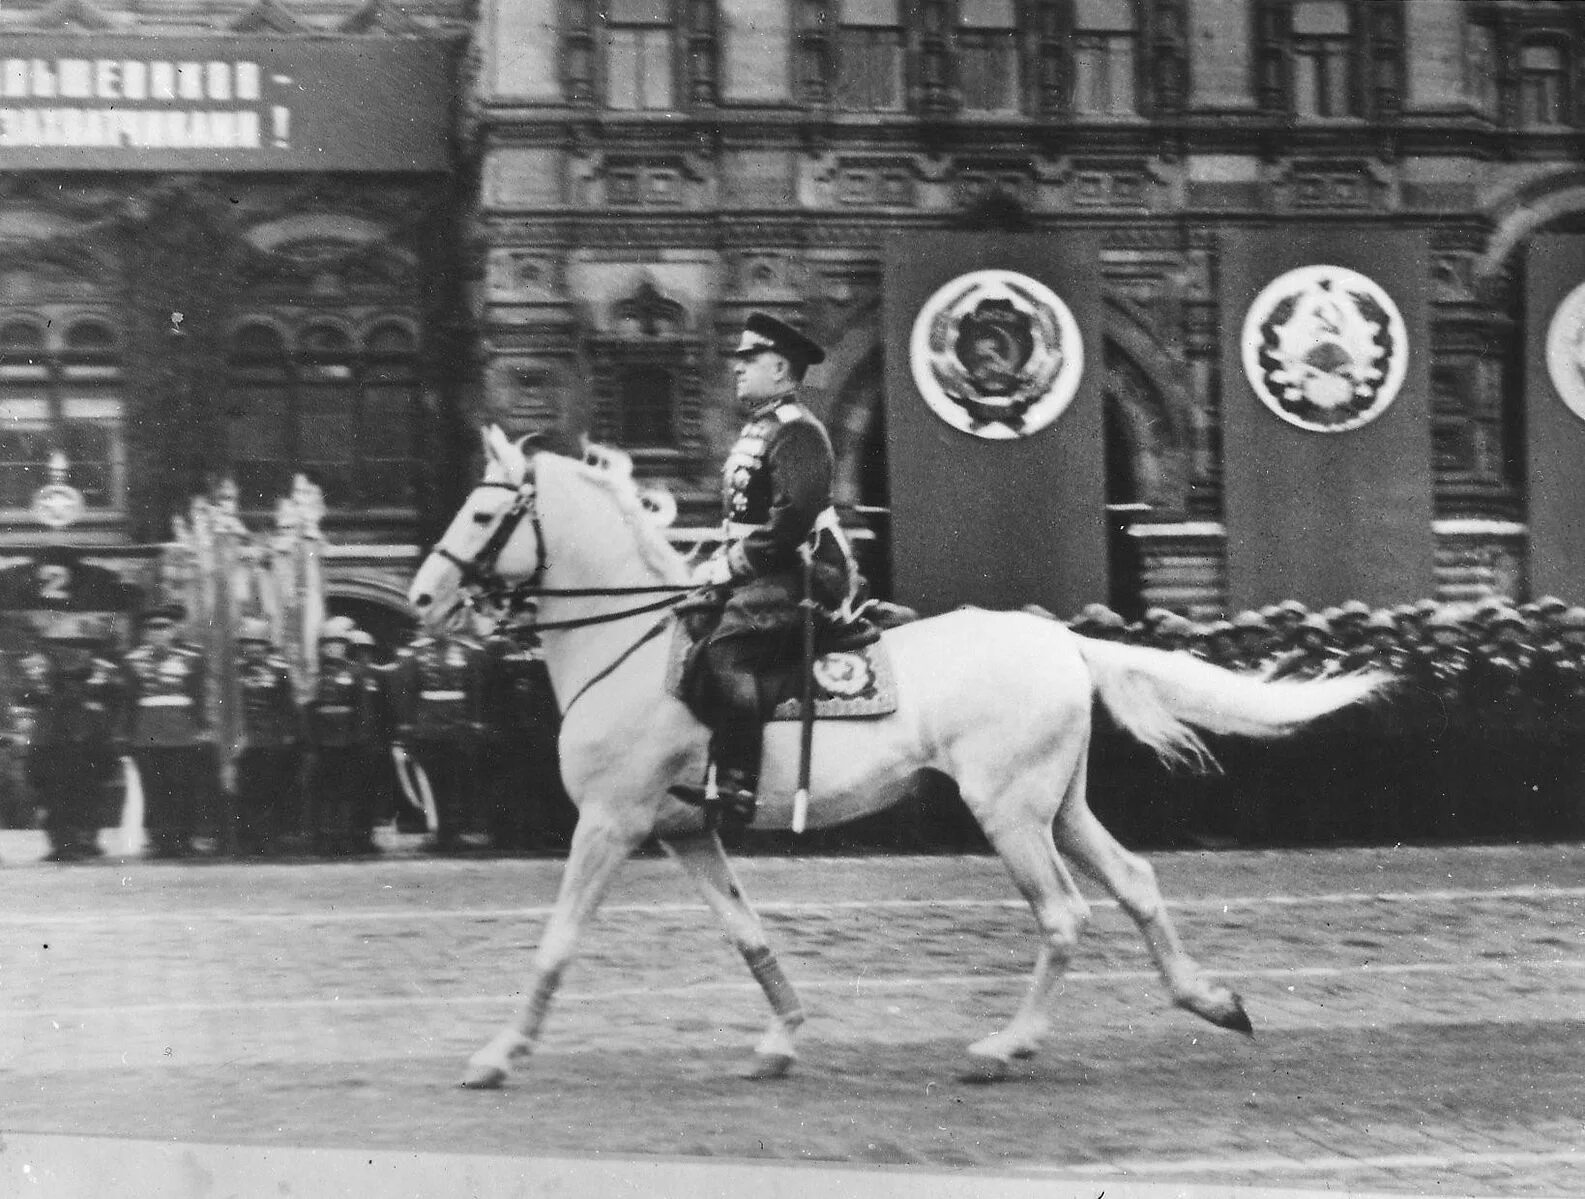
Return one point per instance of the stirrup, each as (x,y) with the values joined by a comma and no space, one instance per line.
(729,803)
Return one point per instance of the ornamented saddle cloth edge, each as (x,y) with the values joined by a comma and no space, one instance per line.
(849,685)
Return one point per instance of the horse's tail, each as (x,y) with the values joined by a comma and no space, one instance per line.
(1162,698)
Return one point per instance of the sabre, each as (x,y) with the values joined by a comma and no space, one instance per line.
(131,829)
(800,814)
(415,786)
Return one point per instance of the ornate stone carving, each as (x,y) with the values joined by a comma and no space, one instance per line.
(1347,184)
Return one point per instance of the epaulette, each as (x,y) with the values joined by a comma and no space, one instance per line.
(788,412)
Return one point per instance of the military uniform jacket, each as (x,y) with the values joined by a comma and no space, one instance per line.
(518,699)
(776,495)
(1440,674)
(269,709)
(342,713)
(438,690)
(1501,677)
(164,696)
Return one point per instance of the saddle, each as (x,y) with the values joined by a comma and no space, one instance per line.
(852,674)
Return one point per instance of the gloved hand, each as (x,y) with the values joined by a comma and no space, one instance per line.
(712,572)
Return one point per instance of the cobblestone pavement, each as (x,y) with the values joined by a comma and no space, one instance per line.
(1420,1016)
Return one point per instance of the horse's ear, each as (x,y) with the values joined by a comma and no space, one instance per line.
(659,505)
(503,454)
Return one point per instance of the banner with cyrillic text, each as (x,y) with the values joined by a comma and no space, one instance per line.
(223,103)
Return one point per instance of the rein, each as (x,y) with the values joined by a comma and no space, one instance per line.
(484,581)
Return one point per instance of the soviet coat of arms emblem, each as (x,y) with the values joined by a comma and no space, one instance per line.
(996,354)
(1565,350)
(1325,348)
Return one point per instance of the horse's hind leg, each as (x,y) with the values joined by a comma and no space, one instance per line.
(1022,836)
(599,846)
(1132,882)
(705,861)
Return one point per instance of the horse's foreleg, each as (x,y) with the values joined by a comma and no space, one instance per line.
(1132,882)
(599,846)
(1026,848)
(705,861)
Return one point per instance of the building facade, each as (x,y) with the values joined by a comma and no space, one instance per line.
(649,170)
(614,184)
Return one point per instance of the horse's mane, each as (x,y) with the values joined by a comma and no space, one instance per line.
(611,471)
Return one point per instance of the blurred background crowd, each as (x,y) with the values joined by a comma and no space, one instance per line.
(452,740)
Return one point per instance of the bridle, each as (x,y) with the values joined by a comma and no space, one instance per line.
(483,585)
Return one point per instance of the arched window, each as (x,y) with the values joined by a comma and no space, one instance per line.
(339,408)
(60,392)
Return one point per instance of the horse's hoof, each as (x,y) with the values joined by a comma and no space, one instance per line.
(483,1078)
(768,1065)
(982,1070)
(1237,1019)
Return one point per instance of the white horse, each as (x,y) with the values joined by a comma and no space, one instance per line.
(998,701)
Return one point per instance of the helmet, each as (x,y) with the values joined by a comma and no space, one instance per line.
(1354,610)
(1154,616)
(1425,606)
(337,628)
(1219,628)
(1445,618)
(1551,604)
(1175,626)
(362,637)
(1316,623)
(255,628)
(1292,607)
(1382,620)
(1095,614)
(1249,620)
(1572,618)
(1270,613)
(1508,616)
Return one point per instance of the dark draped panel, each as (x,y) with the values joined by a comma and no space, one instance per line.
(999,523)
(1555,431)
(1327,516)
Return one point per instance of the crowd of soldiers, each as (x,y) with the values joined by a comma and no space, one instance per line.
(455,737)
(1481,736)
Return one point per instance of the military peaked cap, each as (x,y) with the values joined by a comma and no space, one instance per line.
(164,614)
(762,333)
(255,629)
(337,628)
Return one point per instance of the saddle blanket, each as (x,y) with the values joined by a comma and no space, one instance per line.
(848,684)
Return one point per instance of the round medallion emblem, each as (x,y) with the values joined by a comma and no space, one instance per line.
(1565,350)
(1325,348)
(843,674)
(996,354)
(56,505)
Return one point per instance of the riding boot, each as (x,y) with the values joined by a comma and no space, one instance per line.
(735,744)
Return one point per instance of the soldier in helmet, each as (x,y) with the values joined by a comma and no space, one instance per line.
(165,685)
(268,767)
(529,810)
(1439,673)
(437,696)
(1561,810)
(1507,722)
(1252,636)
(341,727)
(1313,656)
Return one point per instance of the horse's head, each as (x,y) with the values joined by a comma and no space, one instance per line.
(482,545)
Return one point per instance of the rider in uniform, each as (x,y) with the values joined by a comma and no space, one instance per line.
(776,493)
(267,767)
(168,729)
